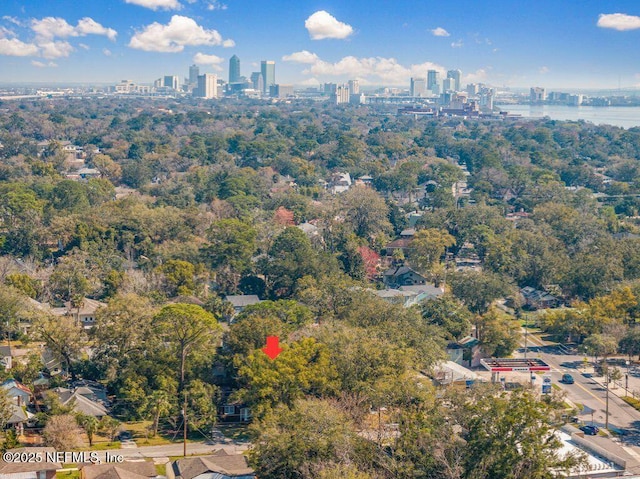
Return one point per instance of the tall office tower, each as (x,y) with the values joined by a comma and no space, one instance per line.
(433,81)
(456,75)
(354,87)
(234,69)
(172,81)
(194,73)
(258,81)
(341,95)
(449,84)
(418,87)
(537,94)
(473,89)
(207,86)
(329,88)
(268,69)
(487,96)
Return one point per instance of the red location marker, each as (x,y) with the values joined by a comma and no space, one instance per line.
(272,349)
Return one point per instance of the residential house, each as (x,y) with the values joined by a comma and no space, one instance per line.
(17,392)
(84,314)
(339,183)
(20,418)
(122,470)
(408,296)
(30,470)
(232,411)
(465,352)
(5,357)
(401,244)
(536,299)
(81,404)
(241,301)
(219,465)
(397,276)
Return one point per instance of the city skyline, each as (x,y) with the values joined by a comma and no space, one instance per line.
(557,45)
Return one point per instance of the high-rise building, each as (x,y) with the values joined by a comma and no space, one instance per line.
(341,94)
(172,81)
(234,69)
(207,86)
(537,94)
(418,87)
(433,81)
(281,91)
(329,88)
(354,87)
(268,70)
(194,73)
(456,75)
(448,84)
(258,81)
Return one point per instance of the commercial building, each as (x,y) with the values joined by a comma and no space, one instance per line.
(341,95)
(354,87)
(207,86)
(418,87)
(537,94)
(257,81)
(172,81)
(194,73)
(268,70)
(281,91)
(433,81)
(456,76)
(234,69)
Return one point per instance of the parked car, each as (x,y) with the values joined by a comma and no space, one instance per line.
(125,436)
(590,430)
(567,379)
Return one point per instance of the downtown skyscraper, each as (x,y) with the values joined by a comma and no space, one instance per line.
(234,69)
(268,70)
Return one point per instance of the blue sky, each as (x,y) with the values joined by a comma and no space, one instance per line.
(569,44)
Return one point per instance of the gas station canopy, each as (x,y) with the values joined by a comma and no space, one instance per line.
(498,365)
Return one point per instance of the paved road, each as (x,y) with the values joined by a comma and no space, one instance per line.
(168,450)
(588,390)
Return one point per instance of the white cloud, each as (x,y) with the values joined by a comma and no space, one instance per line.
(440,32)
(303,56)
(15,48)
(173,37)
(157,4)
(106,52)
(310,82)
(13,20)
(211,60)
(88,26)
(38,64)
(618,21)
(52,49)
(51,27)
(215,5)
(84,46)
(368,70)
(322,25)
(458,44)
(55,27)
(6,32)
(543,69)
(479,76)
(228,43)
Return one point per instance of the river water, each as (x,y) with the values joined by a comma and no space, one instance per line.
(624,116)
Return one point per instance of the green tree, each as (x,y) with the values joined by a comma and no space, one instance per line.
(448,313)
(186,329)
(479,289)
(600,345)
(63,337)
(511,437)
(366,212)
(427,247)
(291,443)
(232,243)
(303,368)
(90,424)
(498,334)
(630,343)
(122,334)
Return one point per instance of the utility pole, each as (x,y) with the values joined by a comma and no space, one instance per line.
(184,421)
(606,413)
